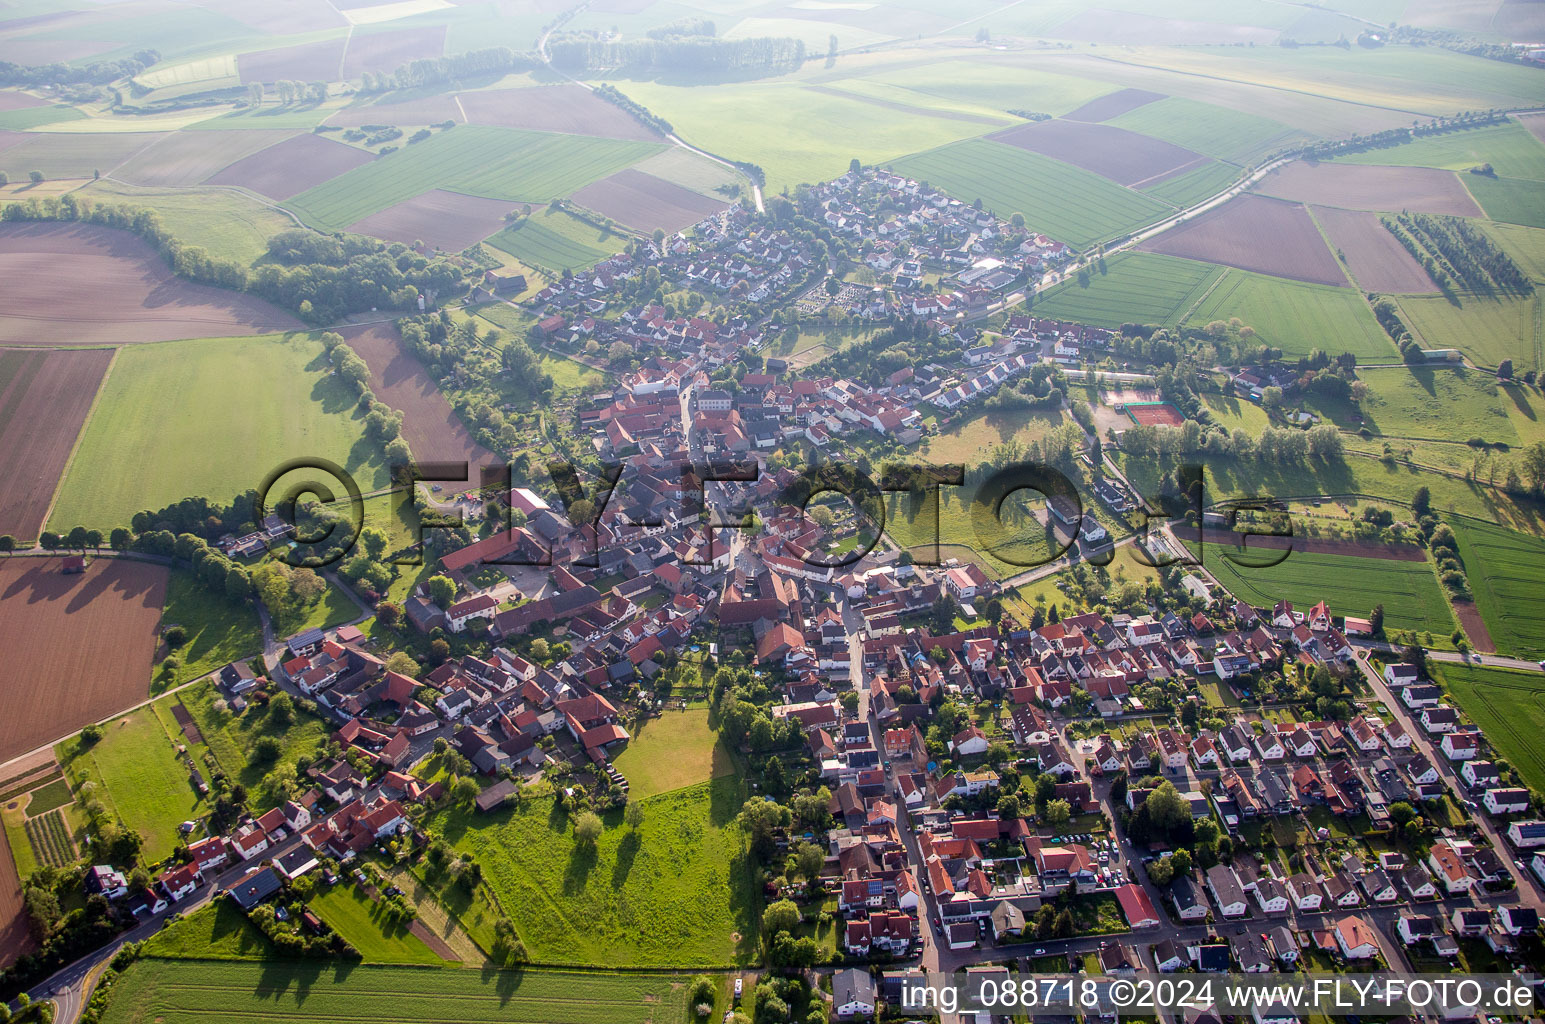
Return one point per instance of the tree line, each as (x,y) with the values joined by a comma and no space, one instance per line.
(98,72)
(678,53)
(1452,250)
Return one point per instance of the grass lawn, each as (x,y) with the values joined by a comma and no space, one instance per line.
(969,439)
(1508,706)
(357,917)
(1295,316)
(46,798)
(1132,287)
(913,527)
(21,845)
(1507,575)
(333,608)
(1124,566)
(673,750)
(1073,205)
(184,992)
(220,630)
(1236,413)
(1210,130)
(244,406)
(228,224)
(138,774)
(230,737)
(1409,591)
(570,373)
(677,893)
(1440,403)
(498,163)
(1486,329)
(555,241)
(219,931)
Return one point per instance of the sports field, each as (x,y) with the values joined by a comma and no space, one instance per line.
(1296,316)
(1071,205)
(1510,709)
(1409,591)
(242,407)
(672,750)
(496,163)
(677,893)
(358,918)
(1130,287)
(1487,329)
(188,992)
(555,241)
(1506,571)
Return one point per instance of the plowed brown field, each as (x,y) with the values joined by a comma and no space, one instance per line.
(1113,104)
(1124,157)
(1360,187)
(445,220)
(552,108)
(292,166)
(44,396)
(645,202)
(1377,261)
(1254,233)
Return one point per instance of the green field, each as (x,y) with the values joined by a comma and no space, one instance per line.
(36,117)
(243,406)
(334,608)
(555,241)
(1524,244)
(499,163)
(1509,199)
(697,173)
(1507,576)
(976,87)
(219,931)
(1236,413)
(1134,287)
(1509,148)
(357,917)
(968,439)
(47,798)
(673,750)
(1510,709)
(1074,206)
(1208,129)
(228,224)
(676,894)
(219,630)
(1486,329)
(230,738)
(569,373)
(1297,317)
(1194,186)
(1409,591)
(185,992)
(1442,403)
(137,774)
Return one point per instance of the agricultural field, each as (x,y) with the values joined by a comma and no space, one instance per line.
(187,158)
(1506,570)
(1113,105)
(1360,187)
(1485,328)
(139,775)
(644,202)
(970,438)
(554,241)
(227,224)
(1295,316)
(307,62)
(1508,706)
(1056,198)
(219,931)
(1441,403)
(689,170)
(185,992)
(230,738)
(1124,157)
(134,296)
(1509,147)
(495,163)
(79,646)
(448,221)
(292,166)
(44,399)
(384,51)
(246,406)
(1232,234)
(1509,199)
(1378,262)
(670,751)
(678,892)
(571,109)
(358,918)
(70,155)
(1410,592)
(1191,187)
(991,88)
(1130,287)
(1212,130)
(1526,245)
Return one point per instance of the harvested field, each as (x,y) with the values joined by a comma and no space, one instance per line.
(445,220)
(10,99)
(1254,233)
(78,647)
(644,202)
(64,155)
(132,296)
(1113,105)
(386,51)
(421,110)
(553,108)
(187,158)
(1377,261)
(44,397)
(282,17)
(1124,157)
(308,62)
(291,166)
(1474,626)
(1363,187)
(15,935)
(430,425)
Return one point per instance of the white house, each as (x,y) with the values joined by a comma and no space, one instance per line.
(1356,939)
(459,614)
(1506,801)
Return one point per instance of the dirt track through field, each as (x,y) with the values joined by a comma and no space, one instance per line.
(1474,626)
(44,398)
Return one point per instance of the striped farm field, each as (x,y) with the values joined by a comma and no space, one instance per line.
(1510,709)
(1131,287)
(555,241)
(1296,316)
(191,992)
(496,163)
(1507,575)
(1215,131)
(1068,204)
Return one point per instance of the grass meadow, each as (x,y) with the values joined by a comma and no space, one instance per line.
(231,738)
(1133,287)
(228,224)
(677,893)
(1441,402)
(358,918)
(242,407)
(219,630)
(188,992)
(1069,204)
(671,751)
(1487,329)
(1295,316)
(1508,147)
(554,241)
(1514,200)
(1214,131)
(219,931)
(1510,709)
(968,439)
(1507,575)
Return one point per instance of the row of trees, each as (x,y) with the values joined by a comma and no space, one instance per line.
(1452,250)
(99,72)
(678,53)
(1283,446)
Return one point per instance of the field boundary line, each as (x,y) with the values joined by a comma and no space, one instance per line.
(1335,254)
(69,463)
(1227,270)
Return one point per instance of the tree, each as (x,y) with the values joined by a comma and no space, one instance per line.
(1058,813)
(1416,654)
(1376,619)
(761,819)
(1421,502)
(1181,859)
(7,543)
(587,828)
(1271,398)
(1161,871)
(439,650)
(633,814)
(389,614)
(465,790)
(374,539)
(36,176)
(1505,369)
(810,859)
(442,590)
(402,663)
(281,712)
(782,916)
